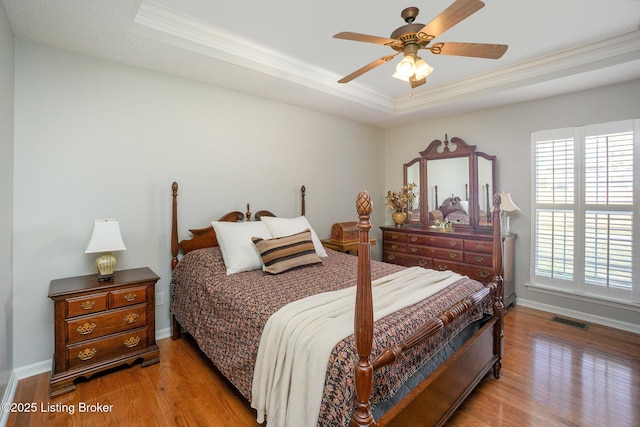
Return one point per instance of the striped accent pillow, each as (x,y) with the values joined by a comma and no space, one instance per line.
(284,253)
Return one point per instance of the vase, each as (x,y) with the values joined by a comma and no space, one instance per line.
(399,218)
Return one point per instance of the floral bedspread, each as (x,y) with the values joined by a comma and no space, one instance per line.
(226,316)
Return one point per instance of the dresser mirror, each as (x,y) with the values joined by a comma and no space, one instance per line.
(455,184)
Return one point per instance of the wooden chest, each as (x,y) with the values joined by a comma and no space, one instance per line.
(100,325)
(345,232)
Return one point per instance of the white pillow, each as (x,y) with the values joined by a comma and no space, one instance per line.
(281,227)
(464,204)
(238,250)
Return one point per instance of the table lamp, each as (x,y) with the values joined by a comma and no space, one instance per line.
(506,205)
(106,238)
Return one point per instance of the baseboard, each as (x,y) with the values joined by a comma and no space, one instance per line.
(605,321)
(9,393)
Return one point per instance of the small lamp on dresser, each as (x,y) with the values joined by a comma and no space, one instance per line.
(106,238)
(506,205)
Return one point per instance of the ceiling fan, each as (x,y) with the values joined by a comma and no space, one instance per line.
(411,37)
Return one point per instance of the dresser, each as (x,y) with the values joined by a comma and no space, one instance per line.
(468,253)
(100,325)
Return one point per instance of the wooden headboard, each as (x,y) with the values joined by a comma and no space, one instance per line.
(206,237)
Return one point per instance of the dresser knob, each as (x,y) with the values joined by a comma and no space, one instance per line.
(422,263)
(394,236)
(453,244)
(414,239)
(394,246)
(479,258)
(131,342)
(130,297)
(442,266)
(414,250)
(88,305)
(453,255)
(131,317)
(480,247)
(484,274)
(87,353)
(86,329)
(391,257)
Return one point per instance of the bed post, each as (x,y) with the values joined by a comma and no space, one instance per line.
(174,226)
(363,321)
(498,306)
(176,332)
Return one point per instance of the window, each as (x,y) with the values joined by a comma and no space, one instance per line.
(584,221)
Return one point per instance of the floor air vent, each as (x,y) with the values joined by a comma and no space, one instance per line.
(570,322)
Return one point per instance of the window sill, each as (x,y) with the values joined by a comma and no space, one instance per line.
(590,298)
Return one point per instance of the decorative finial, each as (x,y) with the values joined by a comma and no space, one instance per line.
(364,206)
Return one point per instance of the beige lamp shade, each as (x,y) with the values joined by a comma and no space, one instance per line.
(507,204)
(106,238)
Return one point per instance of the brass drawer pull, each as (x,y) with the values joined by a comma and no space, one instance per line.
(414,250)
(131,342)
(479,246)
(88,305)
(394,246)
(442,266)
(453,255)
(86,329)
(87,353)
(130,297)
(394,236)
(479,258)
(131,317)
(453,244)
(422,263)
(414,239)
(484,274)
(391,257)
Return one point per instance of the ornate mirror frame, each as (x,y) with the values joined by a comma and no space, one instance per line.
(454,154)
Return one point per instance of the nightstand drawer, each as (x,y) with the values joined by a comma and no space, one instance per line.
(90,327)
(128,296)
(93,352)
(86,304)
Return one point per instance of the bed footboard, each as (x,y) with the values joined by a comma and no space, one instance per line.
(438,396)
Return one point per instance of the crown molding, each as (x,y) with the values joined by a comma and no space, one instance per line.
(589,57)
(168,26)
(165,25)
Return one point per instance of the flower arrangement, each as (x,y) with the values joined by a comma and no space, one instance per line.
(402,199)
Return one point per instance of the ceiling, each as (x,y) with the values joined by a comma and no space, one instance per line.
(284,49)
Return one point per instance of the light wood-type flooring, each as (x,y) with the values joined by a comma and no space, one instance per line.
(553,375)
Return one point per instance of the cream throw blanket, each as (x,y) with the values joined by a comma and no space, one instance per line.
(288,381)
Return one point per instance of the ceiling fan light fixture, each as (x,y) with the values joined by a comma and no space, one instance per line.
(406,68)
(422,68)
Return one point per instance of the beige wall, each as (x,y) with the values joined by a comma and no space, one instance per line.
(6,199)
(505,132)
(94,139)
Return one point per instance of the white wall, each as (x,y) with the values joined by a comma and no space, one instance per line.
(95,139)
(505,132)
(6,198)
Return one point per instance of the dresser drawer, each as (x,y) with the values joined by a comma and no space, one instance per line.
(392,236)
(96,351)
(435,252)
(128,296)
(481,246)
(394,246)
(86,304)
(478,259)
(439,241)
(90,327)
(408,260)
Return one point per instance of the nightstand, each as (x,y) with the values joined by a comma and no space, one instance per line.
(100,325)
(346,247)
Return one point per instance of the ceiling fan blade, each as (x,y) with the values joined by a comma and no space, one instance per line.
(366,68)
(456,12)
(346,35)
(476,50)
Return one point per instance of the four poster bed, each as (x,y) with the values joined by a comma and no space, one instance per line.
(413,365)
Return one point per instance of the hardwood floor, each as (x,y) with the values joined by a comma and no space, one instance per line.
(553,375)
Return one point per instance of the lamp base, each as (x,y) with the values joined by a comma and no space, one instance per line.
(106,264)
